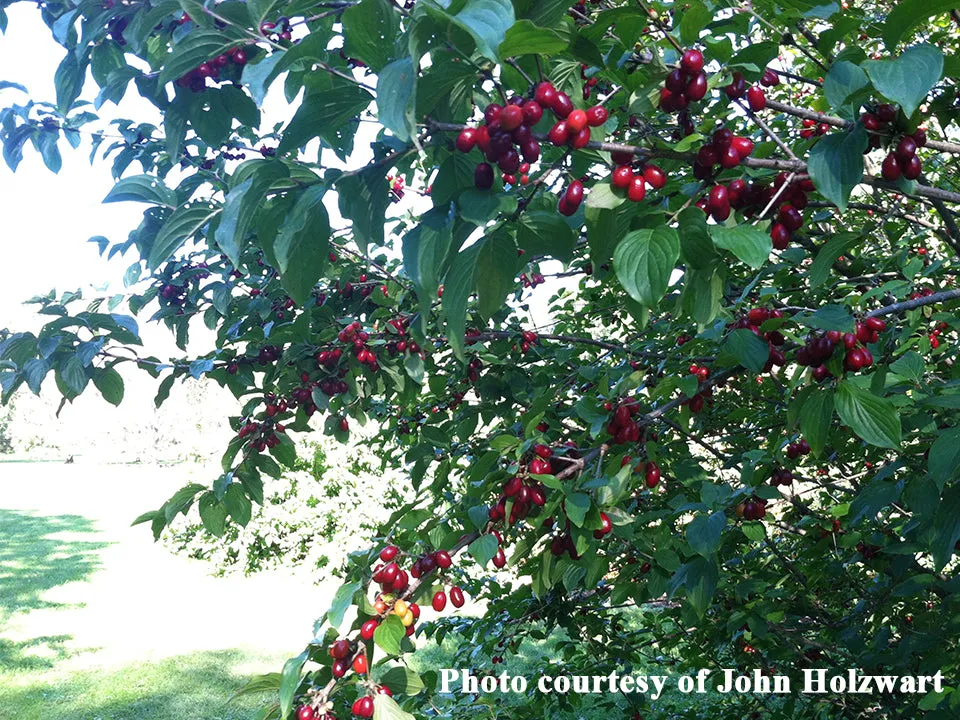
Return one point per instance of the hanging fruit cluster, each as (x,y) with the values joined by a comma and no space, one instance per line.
(196,79)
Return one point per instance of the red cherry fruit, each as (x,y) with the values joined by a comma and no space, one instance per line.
(729,158)
(906,148)
(483,176)
(369,628)
(581,139)
(890,169)
(770,78)
(676,81)
(780,236)
(654,176)
(758,316)
(707,156)
(637,189)
(530,149)
(870,122)
(499,560)
(737,88)
(384,690)
(364,707)
(239,57)
(790,217)
(696,88)
(619,157)
(340,668)
(389,553)
(456,596)
(653,473)
(875,323)
(389,574)
(360,664)
(559,134)
(492,113)
(543,451)
(509,161)
(913,168)
(532,112)
(718,198)
(597,115)
(306,713)
(756,98)
(545,95)
(886,112)
(920,137)
(562,105)
(605,526)
(743,146)
(439,600)
(340,649)
(443,559)
(466,140)
(564,207)
(539,466)
(692,61)
(621,177)
(574,194)
(511,117)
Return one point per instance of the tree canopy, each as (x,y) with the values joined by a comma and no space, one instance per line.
(653,304)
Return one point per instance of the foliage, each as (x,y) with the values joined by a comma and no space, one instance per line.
(764,322)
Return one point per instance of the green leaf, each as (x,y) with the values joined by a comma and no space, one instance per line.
(386,708)
(290,681)
(749,350)
(363,198)
(525,38)
(946,527)
(341,602)
(872,418)
(238,504)
(487,21)
(703,294)
(644,261)
(704,533)
(905,15)
(605,197)
(329,104)
(259,10)
(49,151)
(907,79)
(369,29)
(695,18)
(484,548)
(185,222)
(478,206)
(828,317)
(836,164)
(74,374)
(748,242)
(388,635)
(843,80)
(242,203)
(68,81)
(197,47)
(816,418)
(696,247)
(496,269)
(457,288)
(402,680)
(396,88)
(910,365)
(213,514)
(544,232)
(828,254)
(142,188)
(110,385)
(605,228)
(873,498)
(577,505)
(943,462)
(302,244)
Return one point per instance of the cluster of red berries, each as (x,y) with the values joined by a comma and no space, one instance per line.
(934,336)
(571,198)
(505,137)
(528,339)
(174,294)
(396,188)
(196,79)
(781,476)
(533,280)
(635,182)
(473,369)
(819,349)
(752,321)
(756,97)
(796,449)
(724,149)
(439,601)
(525,493)
(813,129)
(280,30)
(622,426)
(790,214)
(686,84)
(903,159)
(264,434)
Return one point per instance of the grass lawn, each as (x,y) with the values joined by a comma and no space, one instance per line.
(99,623)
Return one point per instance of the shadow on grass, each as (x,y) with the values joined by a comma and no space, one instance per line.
(37,554)
(189,687)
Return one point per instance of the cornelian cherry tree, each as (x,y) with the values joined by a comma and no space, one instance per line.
(653,304)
